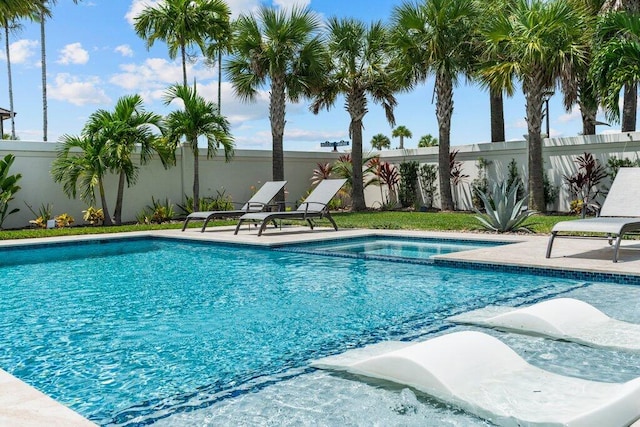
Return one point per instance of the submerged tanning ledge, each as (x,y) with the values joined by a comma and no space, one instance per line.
(562,318)
(482,375)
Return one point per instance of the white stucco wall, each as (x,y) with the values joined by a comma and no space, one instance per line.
(253,167)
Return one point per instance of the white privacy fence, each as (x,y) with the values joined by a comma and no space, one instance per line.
(250,168)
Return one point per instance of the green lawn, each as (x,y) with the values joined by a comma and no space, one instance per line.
(434,221)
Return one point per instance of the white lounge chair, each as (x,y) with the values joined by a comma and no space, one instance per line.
(315,206)
(483,376)
(565,319)
(620,213)
(257,203)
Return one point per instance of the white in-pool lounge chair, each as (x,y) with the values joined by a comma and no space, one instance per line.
(257,203)
(620,213)
(565,319)
(483,376)
(315,206)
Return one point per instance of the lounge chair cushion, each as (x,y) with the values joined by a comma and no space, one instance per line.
(484,376)
(561,318)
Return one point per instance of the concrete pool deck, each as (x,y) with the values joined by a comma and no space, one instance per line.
(21,404)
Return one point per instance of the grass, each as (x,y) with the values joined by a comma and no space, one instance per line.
(430,221)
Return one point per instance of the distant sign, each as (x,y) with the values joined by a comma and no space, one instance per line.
(334,144)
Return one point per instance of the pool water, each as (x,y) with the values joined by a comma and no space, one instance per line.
(391,248)
(137,331)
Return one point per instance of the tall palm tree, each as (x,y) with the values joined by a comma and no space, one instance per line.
(10,13)
(83,161)
(199,117)
(126,127)
(44,14)
(402,132)
(630,98)
(283,49)
(615,63)
(427,141)
(434,37)
(183,24)
(537,42)
(380,141)
(360,59)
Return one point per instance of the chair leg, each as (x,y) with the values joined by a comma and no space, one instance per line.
(206,221)
(616,248)
(263,225)
(330,218)
(310,223)
(186,222)
(550,244)
(240,221)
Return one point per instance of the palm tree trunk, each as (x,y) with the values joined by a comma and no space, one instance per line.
(588,121)
(497,115)
(629,107)
(43,65)
(276,116)
(13,122)
(357,107)
(196,175)
(533,91)
(183,53)
(444,110)
(219,81)
(103,201)
(117,212)
(401,142)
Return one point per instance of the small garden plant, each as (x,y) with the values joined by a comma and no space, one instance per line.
(503,209)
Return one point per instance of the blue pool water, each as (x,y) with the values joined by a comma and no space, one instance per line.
(135,331)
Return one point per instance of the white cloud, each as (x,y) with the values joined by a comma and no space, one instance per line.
(520,124)
(156,73)
(136,7)
(73,54)
(571,116)
(124,50)
(290,4)
(76,91)
(21,51)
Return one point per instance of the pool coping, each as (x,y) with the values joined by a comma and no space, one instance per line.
(22,404)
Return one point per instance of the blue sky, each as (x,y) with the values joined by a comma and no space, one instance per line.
(95,57)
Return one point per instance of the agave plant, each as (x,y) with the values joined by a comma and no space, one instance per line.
(503,210)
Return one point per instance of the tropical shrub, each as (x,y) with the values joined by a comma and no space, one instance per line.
(503,209)
(408,193)
(44,214)
(157,212)
(220,202)
(583,184)
(387,174)
(513,177)
(427,176)
(8,187)
(456,175)
(481,183)
(93,216)
(64,220)
(551,192)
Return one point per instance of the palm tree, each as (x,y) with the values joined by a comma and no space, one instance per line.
(83,161)
(380,141)
(10,12)
(615,63)
(125,128)
(199,117)
(284,49)
(44,14)
(630,98)
(537,42)
(433,37)
(360,58)
(427,141)
(183,24)
(402,132)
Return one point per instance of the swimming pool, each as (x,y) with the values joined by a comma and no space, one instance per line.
(135,331)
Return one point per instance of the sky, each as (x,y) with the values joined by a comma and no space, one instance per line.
(95,57)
